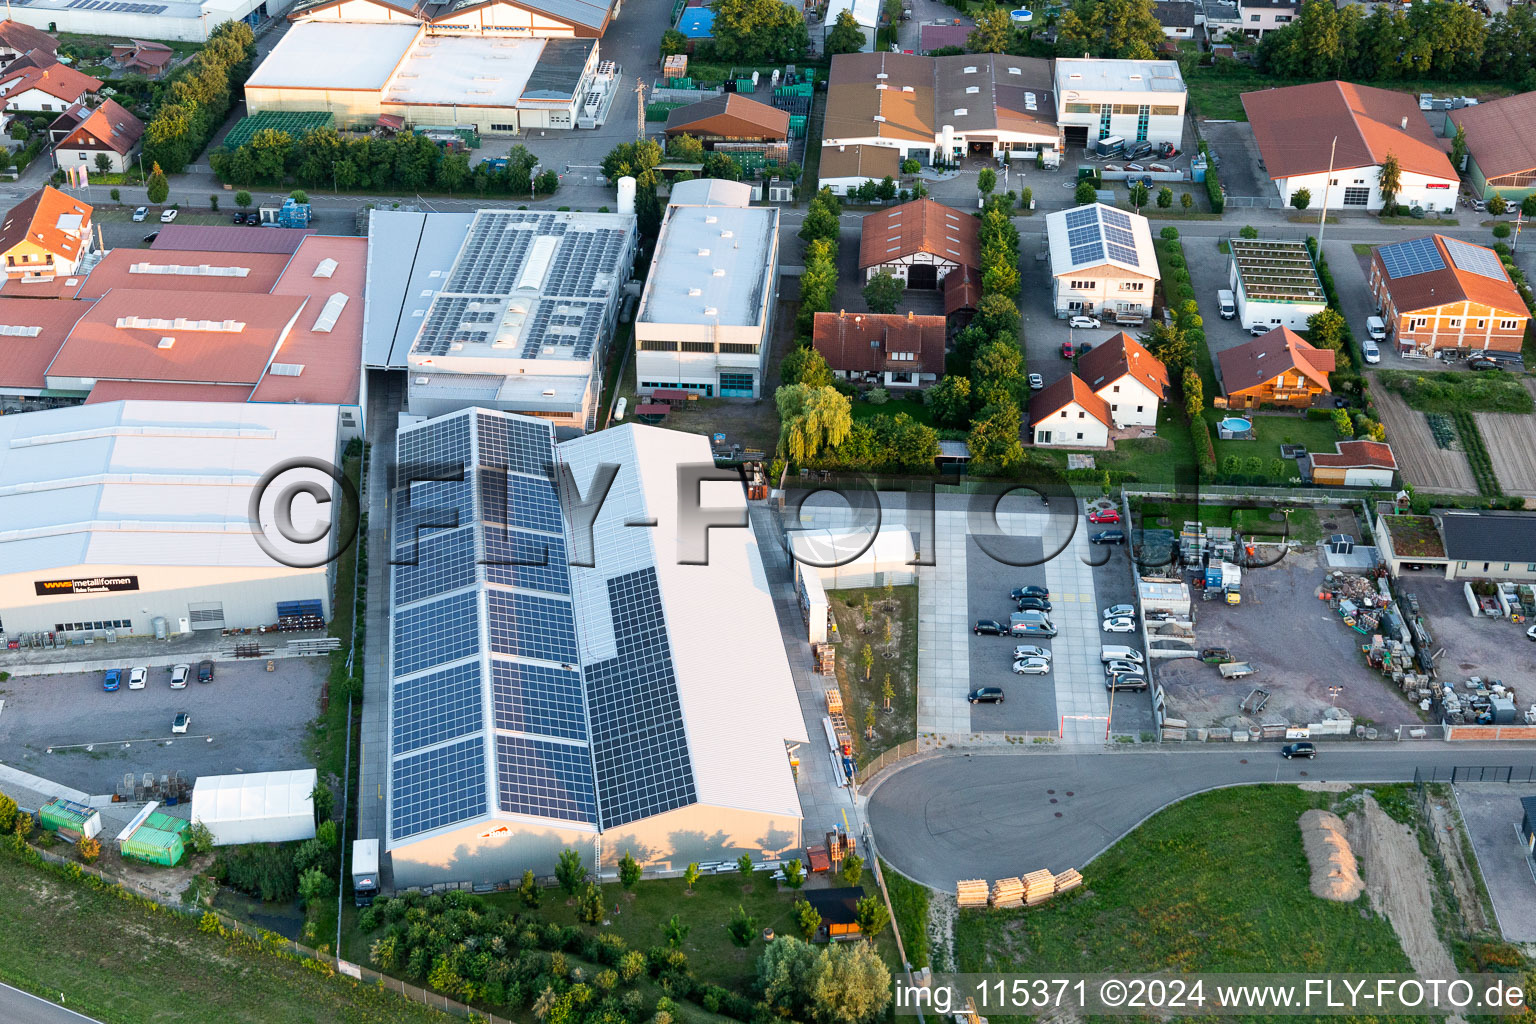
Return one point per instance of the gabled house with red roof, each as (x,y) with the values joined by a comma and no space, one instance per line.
(1128,377)
(1296,127)
(45,235)
(1067,414)
(1353,464)
(902,351)
(17,39)
(918,242)
(1439,294)
(50,87)
(109,131)
(1277,368)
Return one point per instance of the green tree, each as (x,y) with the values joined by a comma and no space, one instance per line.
(853,869)
(1501,231)
(994,437)
(997,371)
(8,812)
(794,873)
(1139,194)
(993,32)
(843,983)
(812,419)
(1194,392)
(633,159)
(117,195)
(452,172)
(807,919)
(910,166)
(1186,200)
(845,35)
(674,931)
(1528,205)
(589,905)
(869,721)
(299,196)
(691,875)
(887,692)
(686,148)
(1086,193)
(1342,423)
(1497,205)
(243,199)
(744,866)
(629,871)
(103,163)
(1277,469)
(785,974)
(986,181)
(866,659)
(805,365)
(159,187)
(1325,329)
(1249,231)
(324,802)
(759,32)
(883,292)
(741,927)
(821,218)
(1253,465)
(950,400)
(1301,198)
(1459,148)
(872,916)
(673,42)
(1026,198)
(1170,345)
(1124,29)
(1165,198)
(569,871)
(1389,179)
(528,890)
(315,885)
(199,837)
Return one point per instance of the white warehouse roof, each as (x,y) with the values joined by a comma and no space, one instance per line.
(260,807)
(712,263)
(348,55)
(152,483)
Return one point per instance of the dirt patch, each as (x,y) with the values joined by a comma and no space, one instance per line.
(1447,832)
(1397,883)
(1511,441)
(1424,464)
(1324,787)
(1335,875)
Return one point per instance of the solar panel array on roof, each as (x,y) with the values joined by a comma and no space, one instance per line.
(1475,259)
(546,778)
(437,787)
(538,699)
(1094,231)
(1415,256)
(437,706)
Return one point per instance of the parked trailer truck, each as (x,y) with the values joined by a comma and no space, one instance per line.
(365,871)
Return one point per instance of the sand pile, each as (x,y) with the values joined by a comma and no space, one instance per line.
(1334,873)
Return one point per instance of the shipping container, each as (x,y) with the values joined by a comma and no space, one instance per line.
(60,813)
(159,840)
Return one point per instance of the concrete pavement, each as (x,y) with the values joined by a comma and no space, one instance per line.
(18,1007)
(978,815)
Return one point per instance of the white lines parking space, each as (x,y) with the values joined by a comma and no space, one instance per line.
(1077,672)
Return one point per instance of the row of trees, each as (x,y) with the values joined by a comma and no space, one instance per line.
(1433,38)
(1101,28)
(758,32)
(200,97)
(323,158)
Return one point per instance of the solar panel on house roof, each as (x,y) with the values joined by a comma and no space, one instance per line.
(1124,254)
(546,778)
(1089,253)
(1078,218)
(436,706)
(1415,256)
(444,562)
(437,787)
(1115,219)
(1474,259)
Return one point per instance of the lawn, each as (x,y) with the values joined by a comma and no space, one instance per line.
(1451,391)
(1165,459)
(1216,883)
(910,901)
(918,410)
(1305,524)
(123,962)
(1270,432)
(897,659)
(1215,93)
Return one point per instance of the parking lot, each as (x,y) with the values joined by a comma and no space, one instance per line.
(1491,812)
(246,720)
(1474,646)
(1298,648)
(1242,171)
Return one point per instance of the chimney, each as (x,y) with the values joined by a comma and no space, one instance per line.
(1405,124)
(909,316)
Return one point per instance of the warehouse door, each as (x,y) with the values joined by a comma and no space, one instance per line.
(922,275)
(206,614)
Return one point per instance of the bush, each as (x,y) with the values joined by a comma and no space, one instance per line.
(1169,233)
(1501,231)
(263,870)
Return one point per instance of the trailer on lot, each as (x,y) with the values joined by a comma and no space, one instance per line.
(1235,669)
(1255,701)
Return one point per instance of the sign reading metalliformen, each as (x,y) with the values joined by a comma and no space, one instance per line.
(94,585)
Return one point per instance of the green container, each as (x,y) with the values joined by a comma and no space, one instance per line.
(157,841)
(60,813)
(743,85)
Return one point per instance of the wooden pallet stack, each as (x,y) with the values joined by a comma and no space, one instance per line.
(971,893)
(1068,880)
(826,659)
(1008,893)
(839,723)
(1039,886)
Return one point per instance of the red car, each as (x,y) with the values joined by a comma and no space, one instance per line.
(1107,515)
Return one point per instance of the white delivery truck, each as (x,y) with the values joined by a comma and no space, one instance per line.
(365,871)
(1227,303)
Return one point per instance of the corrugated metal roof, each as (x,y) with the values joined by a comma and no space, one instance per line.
(215,238)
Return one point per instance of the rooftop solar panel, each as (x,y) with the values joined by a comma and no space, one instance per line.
(516,446)
(1415,256)
(436,706)
(1090,253)
(1078,218)
(537,699)
(1475,259)
(437,787)
(443,562)
(426,508)
(1115,218)
(1124,254)
(436,632)
(526,626)
(531,561)
(545,778)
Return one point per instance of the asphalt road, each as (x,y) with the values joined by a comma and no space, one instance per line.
(18,1007)
(1001,815)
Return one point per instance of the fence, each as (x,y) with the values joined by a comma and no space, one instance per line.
(278,944)
(1525,775)
(886,759)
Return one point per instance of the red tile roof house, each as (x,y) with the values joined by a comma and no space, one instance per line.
(898,351)
(54,87)
(17,39)
(108,131)
(1295,128)
(145,57)
(1133,381)
(1067,414)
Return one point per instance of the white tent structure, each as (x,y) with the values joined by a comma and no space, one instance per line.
(263,807)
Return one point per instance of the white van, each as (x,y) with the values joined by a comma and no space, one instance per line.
(1227,303)
(1372,353)
(1113,652)
(1031,623)
(1375,328)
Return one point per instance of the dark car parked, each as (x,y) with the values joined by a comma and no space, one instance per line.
(1019,592)
(989,627)
(1291,750)
(1038,604)
(205,671)
(986,695)
(1124,681)
(1108,537)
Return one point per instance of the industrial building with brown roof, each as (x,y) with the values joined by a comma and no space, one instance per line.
(227,238)
(1501,144)
(31,334)
(729,117)
(847,167)
(908,349)
(919,242)
(183,271)
(320,359)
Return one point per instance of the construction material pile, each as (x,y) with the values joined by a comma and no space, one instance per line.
(1335,875)
(1068,880)
(1039,886)
(1008,893)
(1011,893)
(1362,590)
(972,893)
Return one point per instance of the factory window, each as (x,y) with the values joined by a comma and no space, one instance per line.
(1132,286)
(737,348)
(503,127)
(1165,111)
(1455,322)
(658,346)
(698,346)
(1083,286)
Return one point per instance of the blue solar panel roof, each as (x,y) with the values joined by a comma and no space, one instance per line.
(538,699)
(532,561)
(437,787)
(542,777)
(436,706)
(443,562)
(436,632)
(525,626)
(1415,256)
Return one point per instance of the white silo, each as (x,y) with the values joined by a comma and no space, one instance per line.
(627,194)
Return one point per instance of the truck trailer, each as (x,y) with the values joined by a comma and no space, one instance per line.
(365,871)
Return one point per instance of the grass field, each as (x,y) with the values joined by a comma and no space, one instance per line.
(919,411)
(1163,459)
(1451,391)
(1304,524)
(1215,93)
(1269,433)
(122,962)
(899,661)
(910,901)
(1216,883)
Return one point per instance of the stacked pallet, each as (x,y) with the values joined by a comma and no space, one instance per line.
(1067,881)
(1008,892)
(971,893)
(1039,886)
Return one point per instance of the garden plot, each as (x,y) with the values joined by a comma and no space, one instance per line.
(1428,461)
(1511,442)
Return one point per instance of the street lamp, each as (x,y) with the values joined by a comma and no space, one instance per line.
(1333,694)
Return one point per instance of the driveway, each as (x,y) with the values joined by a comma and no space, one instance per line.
(246,720)
(965,815)
(1242,171)
(1492,814)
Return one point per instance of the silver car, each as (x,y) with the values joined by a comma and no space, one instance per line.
(1031,667)
(1118,667)
(1116,611)
(1120,624)
(179,676)
(1031,651)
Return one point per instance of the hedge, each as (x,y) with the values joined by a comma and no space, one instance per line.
(1212,181)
